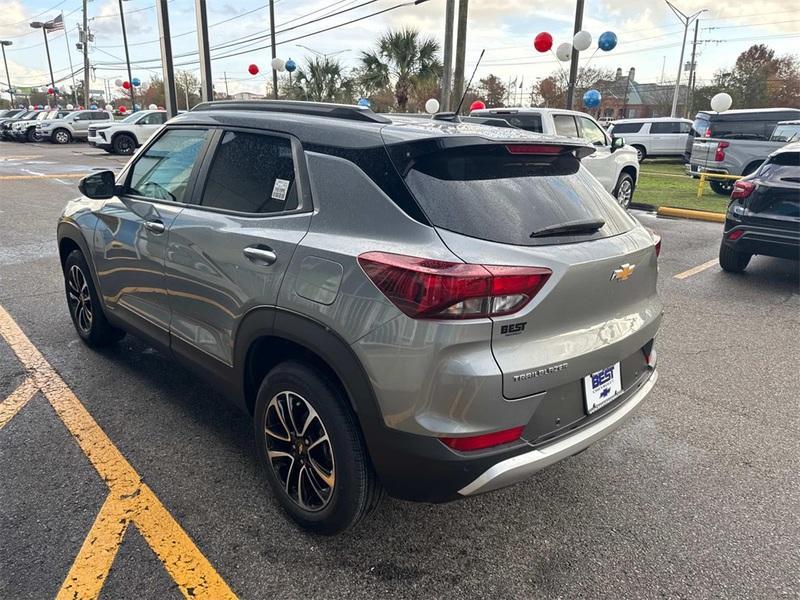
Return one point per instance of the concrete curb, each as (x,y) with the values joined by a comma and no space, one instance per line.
(687,213)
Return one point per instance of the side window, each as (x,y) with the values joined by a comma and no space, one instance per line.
(100,116)
(685,128)
(665,127)
(565,125)
(252,173)
(527,122)
(627,128)
(153,119)
(592,132)
(163,171)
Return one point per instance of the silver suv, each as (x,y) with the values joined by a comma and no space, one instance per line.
(434,309)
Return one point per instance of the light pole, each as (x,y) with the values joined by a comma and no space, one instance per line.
(40,25)
(127,56)
(685,20)
(3,44)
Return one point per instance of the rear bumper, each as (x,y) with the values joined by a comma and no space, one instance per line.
(766,241)
(520,467)
(695,170)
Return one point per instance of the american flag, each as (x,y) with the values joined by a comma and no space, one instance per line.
(55,24)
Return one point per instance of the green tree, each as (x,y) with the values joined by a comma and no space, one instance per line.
(322,80)
(493,91)
(403,59)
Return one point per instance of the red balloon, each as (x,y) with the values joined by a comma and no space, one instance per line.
(477,105)
(122,109)
(126,85)
(253,69)
(51,91)
(543,42)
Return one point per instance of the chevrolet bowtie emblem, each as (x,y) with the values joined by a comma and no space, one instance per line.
(623,272)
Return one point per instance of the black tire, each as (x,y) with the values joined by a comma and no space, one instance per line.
(723,188)
(32,135)
(124,144)
(354,490)
(623,191)
(732,260)
(61,136)
(92,327)
(641,153)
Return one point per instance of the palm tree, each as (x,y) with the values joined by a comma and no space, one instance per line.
(324,80)
(403,58)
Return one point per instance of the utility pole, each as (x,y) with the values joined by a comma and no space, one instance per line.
(692,72)
(170,95)
(43,26)
(3,44)
(274,49)
(206,83)
(461,51)
(573,65)
(127,56)
(85,49)
(225,75)
(447,67)
(71,69)
(685,20)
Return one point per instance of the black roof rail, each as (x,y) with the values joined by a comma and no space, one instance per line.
(298,107)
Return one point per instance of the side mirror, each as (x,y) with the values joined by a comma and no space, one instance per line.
(98,186)
(617,143)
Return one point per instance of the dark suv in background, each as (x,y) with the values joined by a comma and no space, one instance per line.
(764,213)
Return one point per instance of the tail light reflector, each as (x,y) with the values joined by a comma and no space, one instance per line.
(481,442)
(742,189)
(719,155)
(425,288)
(735,234)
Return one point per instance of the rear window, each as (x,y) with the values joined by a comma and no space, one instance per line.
(526,122)
(786,133)
(626,128)
(488,193)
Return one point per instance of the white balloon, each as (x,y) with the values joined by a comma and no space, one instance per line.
(30,107)
(432,106)
(721,102)
(278,64)
(69,107)
(152,107)
(564,52)
(118,83)
(582,40)
(109,107)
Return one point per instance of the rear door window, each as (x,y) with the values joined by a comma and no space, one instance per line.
(100,116)
(252,173)
(566,125)
(668,127)
(622,128)
(527,122)
(488,193)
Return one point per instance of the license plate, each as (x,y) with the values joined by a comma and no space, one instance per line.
(602,387)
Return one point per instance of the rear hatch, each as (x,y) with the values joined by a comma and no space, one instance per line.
(524,205)
(775,200)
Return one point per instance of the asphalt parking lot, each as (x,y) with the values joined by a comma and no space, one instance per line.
(698,496)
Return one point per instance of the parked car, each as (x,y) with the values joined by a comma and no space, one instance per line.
(7,124)
(656,136)
(28,130)
(74,126)
(763,216)
(734,142)
(123,137)
(613,163)
(786,131)
(7,113)
(433,309)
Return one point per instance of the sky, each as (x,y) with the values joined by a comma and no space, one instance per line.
(649,35)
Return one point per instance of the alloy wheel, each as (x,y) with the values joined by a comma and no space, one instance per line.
(299,450)
(80,301)
(124,145)
(625,193)
(62,137)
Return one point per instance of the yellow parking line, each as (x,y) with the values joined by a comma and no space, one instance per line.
(53,176)
(697,269)
(18,398)
(129,497)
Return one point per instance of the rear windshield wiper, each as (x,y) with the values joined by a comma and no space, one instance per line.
(582,226)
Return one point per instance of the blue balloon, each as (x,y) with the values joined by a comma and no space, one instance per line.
(290,66)
(592,98)
(136,107)
(135,82)
(363,102)
(93,107)
(607,41)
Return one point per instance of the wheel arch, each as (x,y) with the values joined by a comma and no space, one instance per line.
(632,171)
(71,238)
(752,166)
(130,134)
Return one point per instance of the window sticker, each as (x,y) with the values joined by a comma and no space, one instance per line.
(280,189)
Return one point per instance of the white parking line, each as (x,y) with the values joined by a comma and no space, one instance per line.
(31,172)
(697,269)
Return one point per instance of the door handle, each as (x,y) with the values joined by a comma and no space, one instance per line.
(261,255)
(154,226)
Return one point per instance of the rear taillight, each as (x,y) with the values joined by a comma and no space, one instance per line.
(656,241)
(719,155)
(533,149)
(735,234)
(742,189)
(707,133)
(481,442)
(425,288)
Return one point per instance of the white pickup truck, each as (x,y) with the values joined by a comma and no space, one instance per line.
(614,164)
(123,137)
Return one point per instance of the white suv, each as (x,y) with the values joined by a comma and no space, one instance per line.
(73,126)
(123,137)
(658,136)
(614,164)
